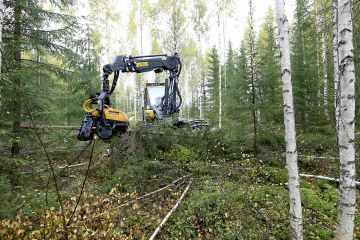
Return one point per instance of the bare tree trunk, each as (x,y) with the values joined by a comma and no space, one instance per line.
(335,39)
(201,90)
(16,107)
(325,77)
(2,8)
(255,91)
(220,80)
(346,132)
(324,63)
(224,58)
(289,120)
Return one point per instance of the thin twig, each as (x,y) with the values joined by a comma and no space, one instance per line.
(51,169)
(62,171)
(77,157)
(152,193)
(147,194)
(170,212)
(83,184)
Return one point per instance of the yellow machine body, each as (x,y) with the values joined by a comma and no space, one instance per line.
(111,114)
(149,115)
(115,115)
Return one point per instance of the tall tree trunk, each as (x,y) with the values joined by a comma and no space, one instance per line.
(203,89)
(289,120)
(224,59)
(346,212)
(16,106)
(255,91)
(220,80)
(335,39)
(325,77)
(2,9)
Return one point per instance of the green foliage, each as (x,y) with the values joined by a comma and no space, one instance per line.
(315,143)
(180,154)
(212,104)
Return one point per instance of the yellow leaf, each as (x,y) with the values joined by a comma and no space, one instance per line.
(135,206)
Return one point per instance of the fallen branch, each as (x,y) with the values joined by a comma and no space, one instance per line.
(147,195)
(156,191)
(72,166)
(320,157)
(323,178)
(171,212)
(46,127)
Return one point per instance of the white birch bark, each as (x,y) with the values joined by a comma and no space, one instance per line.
(296,231)
(336,63)
(201,102)
(346,132)
(225,50)
(325,76)
(220,80)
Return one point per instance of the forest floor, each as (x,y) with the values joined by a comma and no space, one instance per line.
(129,192)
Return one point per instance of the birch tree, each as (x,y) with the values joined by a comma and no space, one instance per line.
(289,120)
(201,27)
(346,131)
(220,9)
(324,64)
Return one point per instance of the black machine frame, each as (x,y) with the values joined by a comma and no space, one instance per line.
(146,63)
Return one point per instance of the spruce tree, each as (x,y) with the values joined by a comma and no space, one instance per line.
(254,87)
(230,75)
(269,79)
(32,42)
(305,65)
(213,86)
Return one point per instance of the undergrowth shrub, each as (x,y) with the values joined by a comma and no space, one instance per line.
(315,143)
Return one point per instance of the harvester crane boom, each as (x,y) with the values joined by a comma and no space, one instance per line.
(104,120)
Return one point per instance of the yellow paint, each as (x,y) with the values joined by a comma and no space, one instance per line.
(149,115)
(115,115)
(142,64)
(86,106)
(95,113)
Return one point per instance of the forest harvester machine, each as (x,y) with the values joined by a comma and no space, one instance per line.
(161,100)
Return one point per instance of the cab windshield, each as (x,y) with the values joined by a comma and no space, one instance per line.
(156,93)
